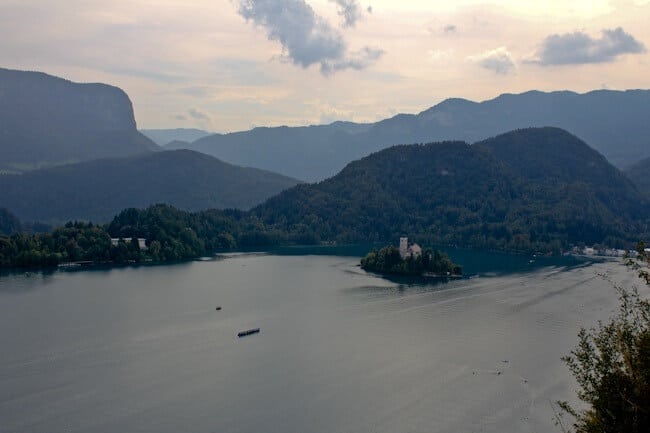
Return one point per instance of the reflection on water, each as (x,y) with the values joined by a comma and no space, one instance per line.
(340,350)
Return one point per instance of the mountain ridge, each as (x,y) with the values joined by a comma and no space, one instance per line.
(465,195)
(313,153)
(97,190)
(163,137)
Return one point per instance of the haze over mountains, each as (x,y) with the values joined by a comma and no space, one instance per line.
(612,122)
(45,120)
(166,136)
(639,173)
(98,190)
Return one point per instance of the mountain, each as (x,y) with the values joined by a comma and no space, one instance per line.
(538,189)
(45,120)
(8,222)
(313,153)
(639,174)
(164,136)
(97,190)
(309,153)
(533,189)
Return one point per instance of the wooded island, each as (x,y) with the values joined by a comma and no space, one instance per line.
(410,260)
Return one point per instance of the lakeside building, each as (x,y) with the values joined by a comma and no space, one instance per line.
(142,242)
(406,250)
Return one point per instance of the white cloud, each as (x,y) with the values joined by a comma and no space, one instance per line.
(306,38)
(198,115)
(350,11)
(439,56)
(580,48)
(498,60)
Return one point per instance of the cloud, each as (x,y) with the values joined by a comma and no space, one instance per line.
(498,60)
(449,29)
(196,114)
(196,91)
(350,11)
(306,37)
(580,48)
(439,56)
(329,114)
(357,60)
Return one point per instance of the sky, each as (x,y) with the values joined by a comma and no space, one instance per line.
(230,65)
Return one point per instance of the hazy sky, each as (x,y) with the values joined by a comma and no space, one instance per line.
(228,65)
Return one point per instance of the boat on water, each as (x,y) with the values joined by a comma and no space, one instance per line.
(248,332)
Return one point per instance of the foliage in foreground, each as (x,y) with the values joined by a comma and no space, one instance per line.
(611,364)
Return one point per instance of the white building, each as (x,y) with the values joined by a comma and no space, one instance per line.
(406,250)
(403,246)
(142,242)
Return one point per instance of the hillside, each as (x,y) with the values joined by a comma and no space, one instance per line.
(162,137)
(98,190)
(533,190)
(45,120)
(8,222)
(316,152)
(498,194)
(639,174)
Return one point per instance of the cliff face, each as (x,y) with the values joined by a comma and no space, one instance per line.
(46,120)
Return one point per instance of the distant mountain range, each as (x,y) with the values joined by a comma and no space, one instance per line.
(45,120)
(613,122)
(98,190)
(163,137)
(531,189)
(528,189)
(536,189)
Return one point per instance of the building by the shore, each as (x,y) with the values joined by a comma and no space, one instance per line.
(142,242)
(406,250)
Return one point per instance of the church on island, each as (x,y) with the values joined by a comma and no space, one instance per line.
(406,250)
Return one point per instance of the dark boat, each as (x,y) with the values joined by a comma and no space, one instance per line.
(248,332)
(218,308)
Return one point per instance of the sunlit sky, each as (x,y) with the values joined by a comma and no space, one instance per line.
(229,65)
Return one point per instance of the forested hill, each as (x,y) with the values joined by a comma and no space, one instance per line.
(47,120)
(314,153)
(558,164)
(539,188)
(8,222)
(639,174)
(98,190)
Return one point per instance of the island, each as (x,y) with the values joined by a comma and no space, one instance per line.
(411,260)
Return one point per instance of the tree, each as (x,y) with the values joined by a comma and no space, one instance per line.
(611,364)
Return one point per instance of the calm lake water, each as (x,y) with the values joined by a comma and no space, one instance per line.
(143,349)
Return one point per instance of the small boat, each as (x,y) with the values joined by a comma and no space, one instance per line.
(218,308)
(248,332)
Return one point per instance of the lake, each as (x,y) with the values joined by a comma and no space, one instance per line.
(143,349)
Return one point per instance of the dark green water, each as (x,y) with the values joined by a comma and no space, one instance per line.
(143,349)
